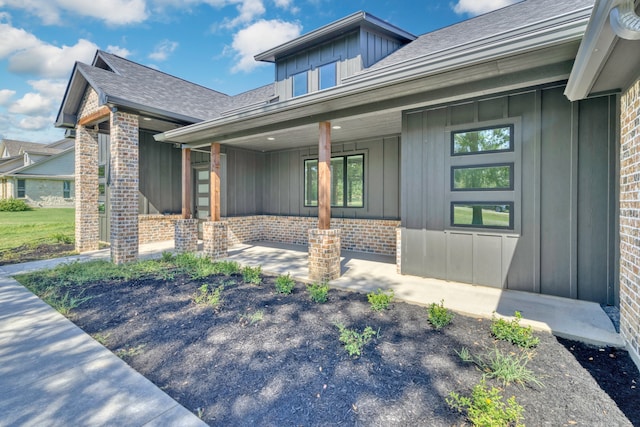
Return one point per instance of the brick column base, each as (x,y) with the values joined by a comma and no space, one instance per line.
(186,236)
(324,254)
(399,250)
(214,236)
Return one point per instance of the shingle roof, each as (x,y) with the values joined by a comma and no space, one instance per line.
(14,147)
(479,27)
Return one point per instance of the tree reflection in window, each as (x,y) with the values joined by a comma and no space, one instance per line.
(482,141)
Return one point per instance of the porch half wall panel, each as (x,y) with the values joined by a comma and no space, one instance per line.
(563,240)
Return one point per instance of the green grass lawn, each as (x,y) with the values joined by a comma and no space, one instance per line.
(35,227)
(463,215)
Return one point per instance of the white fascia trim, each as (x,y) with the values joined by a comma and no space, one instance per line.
(527,39)
(595,48)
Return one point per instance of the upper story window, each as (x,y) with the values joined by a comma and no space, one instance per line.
(300,84)
(327,76)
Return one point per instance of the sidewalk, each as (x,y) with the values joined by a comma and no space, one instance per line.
(54,374)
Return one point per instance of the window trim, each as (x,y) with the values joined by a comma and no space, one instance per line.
(344,156)
(511,166)
(478,129)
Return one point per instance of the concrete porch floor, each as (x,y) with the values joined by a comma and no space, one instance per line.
(573,319)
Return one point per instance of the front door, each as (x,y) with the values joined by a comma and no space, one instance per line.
(201,197)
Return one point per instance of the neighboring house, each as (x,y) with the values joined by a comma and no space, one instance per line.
(42,175)
(457,152)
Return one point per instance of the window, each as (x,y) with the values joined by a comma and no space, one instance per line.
(482,178)
(22,189)
(489,177)
(328,76)
(66,189)
(482,141)
(300,84)
(347,181)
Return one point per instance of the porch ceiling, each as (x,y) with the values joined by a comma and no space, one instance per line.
(350,129)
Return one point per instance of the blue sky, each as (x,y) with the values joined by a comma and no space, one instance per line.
(209,42)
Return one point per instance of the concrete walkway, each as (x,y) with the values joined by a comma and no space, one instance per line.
(53,374)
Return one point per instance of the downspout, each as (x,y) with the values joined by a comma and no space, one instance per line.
(624,20)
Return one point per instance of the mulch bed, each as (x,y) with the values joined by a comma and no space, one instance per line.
(290,369)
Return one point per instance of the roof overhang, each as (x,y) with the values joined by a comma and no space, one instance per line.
(603,56)
(525,57)
(332,30)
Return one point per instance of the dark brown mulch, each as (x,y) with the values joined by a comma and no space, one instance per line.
(26,253)
(290,369)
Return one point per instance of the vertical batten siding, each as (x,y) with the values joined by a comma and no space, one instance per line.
(564,244)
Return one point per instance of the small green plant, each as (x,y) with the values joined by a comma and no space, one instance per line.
(511,331)
(380,299)
(13,205)
(353,340)
(252,275)
(285,284)
(228,267)
(62,238)
(62,303)
(195,266)
(318,292)
(251,319)
(486,407)
(204,296)
(101,338)
(167,257)
(509,368)
(126,352)
(439,316)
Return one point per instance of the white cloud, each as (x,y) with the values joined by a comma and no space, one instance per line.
(248,10)
(258,37)
(163,50)
(477,7)
(112,12)
(120,51)
(5,96)
(15,39)
(50,88)
(36,123)
(50,61)
(32,104)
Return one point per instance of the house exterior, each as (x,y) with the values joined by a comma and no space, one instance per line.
(42,175)
(474,153)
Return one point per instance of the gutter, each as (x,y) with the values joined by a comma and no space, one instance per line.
(624,21)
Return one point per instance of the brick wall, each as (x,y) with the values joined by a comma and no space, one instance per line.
(360,235)
(630,219)
(156,228)
(186,233)
(86,221)
(215,237)
(324,254)
(124,187)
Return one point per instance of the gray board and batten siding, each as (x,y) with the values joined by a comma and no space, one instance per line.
(563,239)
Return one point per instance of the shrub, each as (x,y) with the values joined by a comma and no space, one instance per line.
(285,284)
(195,266)
(514,333)
(318,292)
(227,267)
(486,407)
(205,296)
(167,257)
(13,205)
(380,299)
(439,316)
(252,275)
(353,340)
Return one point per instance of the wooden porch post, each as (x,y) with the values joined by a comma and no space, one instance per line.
(324,176)
(186,183)
(214,182)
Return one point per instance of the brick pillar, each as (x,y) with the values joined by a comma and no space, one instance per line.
(186,235)
(87,231)
(630,219)
(124,187)
(324,254)
(399,250)
(214,236)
